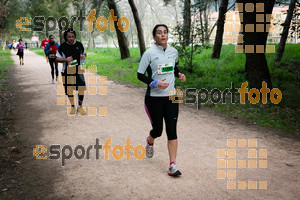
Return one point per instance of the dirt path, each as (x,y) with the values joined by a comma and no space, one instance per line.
(39,120)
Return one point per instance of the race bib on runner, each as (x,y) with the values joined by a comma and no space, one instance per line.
(74,62)
(51,55)
(165,68)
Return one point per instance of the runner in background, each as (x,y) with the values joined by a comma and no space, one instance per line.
(51,50)
(43,44)
(20,48)
(15,43)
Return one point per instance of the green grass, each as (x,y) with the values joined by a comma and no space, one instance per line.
(5,63)
(109,64)
(39,51)
(220,73)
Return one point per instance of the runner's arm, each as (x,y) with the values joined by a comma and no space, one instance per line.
(144,63)
(176,69)
(83,51)
(47,49)
(144,78)
(60,58)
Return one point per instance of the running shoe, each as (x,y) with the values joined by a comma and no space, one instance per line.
(53,81)
(71,111)
(173,170)
(149,149)
(22,63)
(81,111)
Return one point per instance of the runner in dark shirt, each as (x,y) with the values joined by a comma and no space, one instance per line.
(71,53)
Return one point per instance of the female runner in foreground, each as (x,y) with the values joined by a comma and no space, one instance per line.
(161,64)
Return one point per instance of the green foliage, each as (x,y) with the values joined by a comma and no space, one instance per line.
(14,10)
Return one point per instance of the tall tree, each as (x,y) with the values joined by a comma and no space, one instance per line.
(173,3)
(59,9)
(256,64)
(186,22)
(122,39)
(220,30)
(3,15)
(203,6)
(285,31)
(95,4)
(138,27)
(39,8)
(10,11)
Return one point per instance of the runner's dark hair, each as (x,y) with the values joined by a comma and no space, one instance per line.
(158,25)
(69,30)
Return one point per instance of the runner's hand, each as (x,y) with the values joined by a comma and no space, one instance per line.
(82,56)
(181,77)
(162,85)
(69,59)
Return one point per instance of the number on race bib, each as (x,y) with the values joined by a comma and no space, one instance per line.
(165,68)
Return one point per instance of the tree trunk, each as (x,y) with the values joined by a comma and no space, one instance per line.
(91,43)
(201,22)
(220,30)
(256,64)
(206,38)
(186,22)
(285,31)
(139,28)
(61,38)
(122,40)
(4,44)
(176,13)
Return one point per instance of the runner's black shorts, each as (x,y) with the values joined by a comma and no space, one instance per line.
(21,54)
(159,108)
(73,82)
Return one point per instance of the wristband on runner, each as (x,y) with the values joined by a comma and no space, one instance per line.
(153,84)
